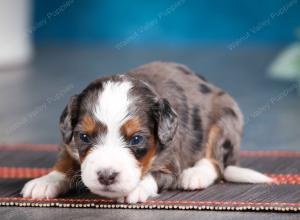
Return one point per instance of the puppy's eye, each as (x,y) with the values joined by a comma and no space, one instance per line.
(84,138)
(136,140)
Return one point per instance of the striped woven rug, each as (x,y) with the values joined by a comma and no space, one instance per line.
(21,162)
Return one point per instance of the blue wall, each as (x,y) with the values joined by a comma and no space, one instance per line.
(158,21)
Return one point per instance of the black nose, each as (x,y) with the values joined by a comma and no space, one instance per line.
(107,177)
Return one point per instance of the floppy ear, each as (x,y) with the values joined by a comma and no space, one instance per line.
(167,122)
(67,119)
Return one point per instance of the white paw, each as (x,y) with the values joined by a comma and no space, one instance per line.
(201,176)
(139,194)
(48,186)
(120,200)
(146,188)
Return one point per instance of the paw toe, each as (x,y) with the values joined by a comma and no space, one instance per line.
(138,195)
(38,191)
(191,179)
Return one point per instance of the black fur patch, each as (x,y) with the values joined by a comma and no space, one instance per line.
(201,77)
(187,71)
(184,70)
(197,129)
(221,93)
(228,153)
(204,88)
(229,111)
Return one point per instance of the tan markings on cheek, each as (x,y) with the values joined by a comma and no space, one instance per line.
(83,155)
(130,127)
(145,161)
(66,164)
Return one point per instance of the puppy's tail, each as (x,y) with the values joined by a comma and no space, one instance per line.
(244,175)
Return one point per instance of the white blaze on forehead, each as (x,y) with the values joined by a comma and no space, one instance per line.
(112,106)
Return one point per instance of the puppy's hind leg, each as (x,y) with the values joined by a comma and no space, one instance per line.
(221,160)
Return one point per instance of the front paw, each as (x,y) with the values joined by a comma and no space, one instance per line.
(146,188)
(48,186)
(139,194)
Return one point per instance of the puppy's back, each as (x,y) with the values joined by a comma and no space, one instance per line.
(199,104)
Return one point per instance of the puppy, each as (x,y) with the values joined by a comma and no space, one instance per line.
(160,126)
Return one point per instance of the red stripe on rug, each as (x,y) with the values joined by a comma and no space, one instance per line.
(28,173)
(30,147)
(270,153)
(22,172)
(285,178)
(165,202)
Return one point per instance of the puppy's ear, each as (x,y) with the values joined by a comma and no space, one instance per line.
(67,119)
(167,122)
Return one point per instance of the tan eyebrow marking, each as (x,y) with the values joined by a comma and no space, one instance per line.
(90,126)
(131,127)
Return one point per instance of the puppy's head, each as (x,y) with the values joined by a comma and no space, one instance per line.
(115,128)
